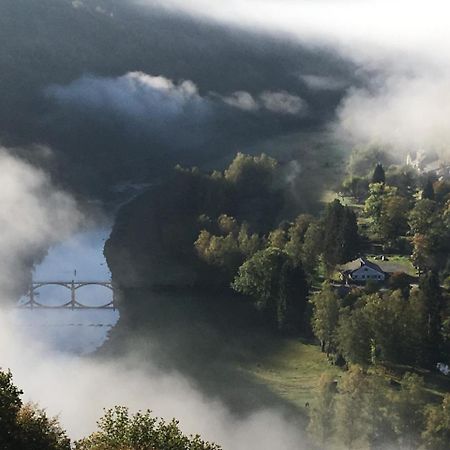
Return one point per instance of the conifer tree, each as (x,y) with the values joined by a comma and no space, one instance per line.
(378,174)
(432,297)
(428,190)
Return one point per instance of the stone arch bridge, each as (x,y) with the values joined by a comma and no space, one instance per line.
(73,287)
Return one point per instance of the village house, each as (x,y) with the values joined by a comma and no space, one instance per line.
(361,271)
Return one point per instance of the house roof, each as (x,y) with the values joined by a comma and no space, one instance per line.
(360,262)
(366,262)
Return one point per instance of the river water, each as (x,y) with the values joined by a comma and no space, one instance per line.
(80,258)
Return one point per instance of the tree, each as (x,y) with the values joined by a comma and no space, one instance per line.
(423,252)
(351,413)
(409,403)
(141,431)
(277,286)
(393,219)
(373,206)
(340,234)
(246,169)
(356,186)
(378,174)
(296,236)
(436,435)
(321,418)
(312,246)
(39,432)
(354,338)
(277,238)
(228,251)
(423,216)
(384,318)
(25,427)
(428,190)
(292,295)
(325,318)
(431,293)
(10,405)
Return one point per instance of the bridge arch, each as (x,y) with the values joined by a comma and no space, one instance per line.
(73,286)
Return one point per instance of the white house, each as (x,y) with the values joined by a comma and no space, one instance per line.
(365,271)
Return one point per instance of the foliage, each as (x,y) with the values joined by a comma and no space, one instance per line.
(378,175)
(356,186)
(141,431)
(10,405)
(227,251)
(428,190)
(365,412)
(387,212)
(434,305)
(341,242)
(39,431)
(393,327)
(325,317)
(354,337)
(437,429)
(246,169)
(393,219)
(278,287)
(363,160)
(25,427)
(423,216)
(321,416)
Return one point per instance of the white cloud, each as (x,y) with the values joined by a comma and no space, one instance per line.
(364,28)
(33,216)
(407,113)
(276,102)
(323,83)
(242,100)
(282,102)
(405,42)
(78,389)
(135,94)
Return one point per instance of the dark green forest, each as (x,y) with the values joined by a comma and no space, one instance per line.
(236,231)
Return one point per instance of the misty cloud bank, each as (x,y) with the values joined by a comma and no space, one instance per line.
(377,71)
(401,49)
(137,95)
(158,102)
(405,113)
(33,216)
(79,389)
(276,102)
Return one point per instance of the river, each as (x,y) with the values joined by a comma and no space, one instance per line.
(79,258)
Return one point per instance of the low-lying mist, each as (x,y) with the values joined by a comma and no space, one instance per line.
(77,389)
(35,215)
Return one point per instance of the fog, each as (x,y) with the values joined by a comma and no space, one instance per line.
(78,389)
(402,47)
(97,93)
(75,388)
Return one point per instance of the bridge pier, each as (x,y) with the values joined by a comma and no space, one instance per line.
(72,294)
(73,286)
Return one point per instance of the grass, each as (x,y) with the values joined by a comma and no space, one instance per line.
(293,372)
(397,263)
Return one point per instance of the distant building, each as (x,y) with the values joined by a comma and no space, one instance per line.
(362,270)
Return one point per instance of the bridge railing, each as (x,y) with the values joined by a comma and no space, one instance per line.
(73,303)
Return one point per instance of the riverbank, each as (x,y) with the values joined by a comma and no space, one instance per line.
(217,344)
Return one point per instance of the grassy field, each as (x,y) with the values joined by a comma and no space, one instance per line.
(293,372)
(396,263)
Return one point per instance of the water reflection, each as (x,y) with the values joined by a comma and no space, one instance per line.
(76,331)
